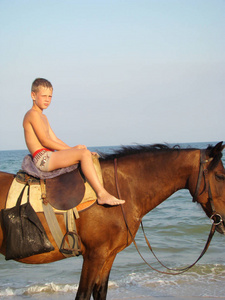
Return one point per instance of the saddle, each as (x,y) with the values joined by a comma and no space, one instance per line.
(64,188)
(63,192)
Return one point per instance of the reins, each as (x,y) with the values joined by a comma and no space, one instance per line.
(216,218)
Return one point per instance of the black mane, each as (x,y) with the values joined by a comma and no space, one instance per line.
(137,149)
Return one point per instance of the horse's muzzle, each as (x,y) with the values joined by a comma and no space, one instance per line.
(221,228)
(219,221)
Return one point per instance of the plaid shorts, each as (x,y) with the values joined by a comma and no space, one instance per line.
(41,160)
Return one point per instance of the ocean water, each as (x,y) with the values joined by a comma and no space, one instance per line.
(177,230)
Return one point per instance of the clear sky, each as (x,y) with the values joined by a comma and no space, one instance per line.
(123,71)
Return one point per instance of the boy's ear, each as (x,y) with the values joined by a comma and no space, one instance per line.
(33,95)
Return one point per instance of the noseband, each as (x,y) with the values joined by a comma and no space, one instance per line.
(215,217)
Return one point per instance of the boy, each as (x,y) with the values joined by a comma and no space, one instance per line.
(49,152)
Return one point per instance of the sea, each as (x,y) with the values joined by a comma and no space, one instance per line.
(177,230)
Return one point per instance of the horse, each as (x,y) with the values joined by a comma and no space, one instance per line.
(144,176)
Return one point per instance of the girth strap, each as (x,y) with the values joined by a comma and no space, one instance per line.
(68,250)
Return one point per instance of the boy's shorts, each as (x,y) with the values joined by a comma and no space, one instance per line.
(41,159)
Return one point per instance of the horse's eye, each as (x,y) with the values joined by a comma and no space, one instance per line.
(220,177)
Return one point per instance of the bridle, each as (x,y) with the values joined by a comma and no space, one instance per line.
(215,217)
(203,172)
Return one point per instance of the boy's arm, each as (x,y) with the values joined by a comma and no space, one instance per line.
(54,138)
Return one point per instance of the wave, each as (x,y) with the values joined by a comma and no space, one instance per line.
(47,288)
(197,282)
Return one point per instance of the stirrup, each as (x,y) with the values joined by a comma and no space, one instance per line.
(74,248)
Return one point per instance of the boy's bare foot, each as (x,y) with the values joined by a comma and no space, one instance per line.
(108,199)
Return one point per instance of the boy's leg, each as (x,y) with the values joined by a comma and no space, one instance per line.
(65,158)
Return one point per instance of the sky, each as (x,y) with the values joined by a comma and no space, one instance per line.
(123,71)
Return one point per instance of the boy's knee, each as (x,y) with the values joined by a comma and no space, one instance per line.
(86,153)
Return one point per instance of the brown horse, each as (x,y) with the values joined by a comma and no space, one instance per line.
(147,175)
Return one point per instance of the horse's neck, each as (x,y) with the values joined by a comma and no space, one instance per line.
(157,176)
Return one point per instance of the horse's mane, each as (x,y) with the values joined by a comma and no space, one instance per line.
(137,149)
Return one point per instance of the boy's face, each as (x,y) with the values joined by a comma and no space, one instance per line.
(42,98)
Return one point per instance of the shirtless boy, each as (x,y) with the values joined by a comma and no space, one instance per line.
(49,152)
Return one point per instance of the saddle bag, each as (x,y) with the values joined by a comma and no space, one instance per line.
(25,235)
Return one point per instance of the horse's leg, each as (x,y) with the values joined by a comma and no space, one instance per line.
(101,286)
(90,271)
(94,277)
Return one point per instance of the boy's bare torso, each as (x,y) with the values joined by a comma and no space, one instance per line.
(32,141)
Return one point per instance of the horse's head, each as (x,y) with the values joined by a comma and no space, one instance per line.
(210,188)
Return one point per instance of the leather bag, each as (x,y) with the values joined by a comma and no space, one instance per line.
(25,235)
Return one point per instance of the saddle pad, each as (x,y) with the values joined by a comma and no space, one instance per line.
(35,193)
(35,197)
(29,167)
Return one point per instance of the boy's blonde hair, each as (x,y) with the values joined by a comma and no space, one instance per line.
(40,82)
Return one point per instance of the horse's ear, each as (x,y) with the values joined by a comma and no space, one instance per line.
(218,148)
